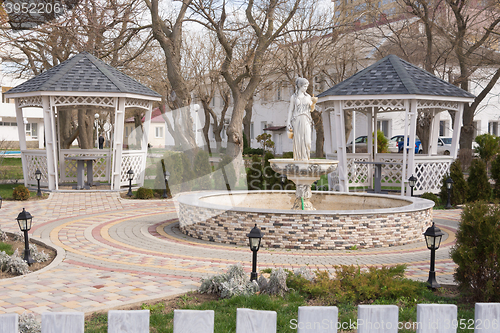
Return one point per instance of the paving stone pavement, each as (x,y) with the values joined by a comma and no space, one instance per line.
(114,252)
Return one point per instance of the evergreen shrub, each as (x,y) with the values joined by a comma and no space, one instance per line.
(460,188)
(21,193)
(495,175)
(479,187)
(431,196)
(477,252)
(144,193)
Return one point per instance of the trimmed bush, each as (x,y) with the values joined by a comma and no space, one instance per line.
(479,187)
(202,170)
(431,196)
(460,187)
(181,172)
(144,193)
(288,154)
(487,146)
(252,151)
(254,174)
(21,193)
(477,252)
(495,174)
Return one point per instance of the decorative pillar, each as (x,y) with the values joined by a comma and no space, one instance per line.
(22,140)
(118,144)
(434,133)
(411,142)
(456,131)
(341,146)
(50,143)
(144,145)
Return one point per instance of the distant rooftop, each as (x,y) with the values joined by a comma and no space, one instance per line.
(395,76)
(83,73)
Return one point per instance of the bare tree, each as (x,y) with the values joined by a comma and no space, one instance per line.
(168,32)
(108,29)
(460,38)
(246,43)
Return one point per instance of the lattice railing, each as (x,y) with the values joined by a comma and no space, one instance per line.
(429,171)
(356,173)
(432,104)
(33,160)
(85,100)
(391,173)
(30,101)
(101,166)
(132,159)
(395,104)
(138,103)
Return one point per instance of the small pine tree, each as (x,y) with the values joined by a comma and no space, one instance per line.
(460,188)
(202,170)
(479,187)
(487,146)
(477,252)
(495,174)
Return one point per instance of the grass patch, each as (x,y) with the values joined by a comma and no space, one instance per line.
(7,248)
(11,168)
(353,286)
(7,189)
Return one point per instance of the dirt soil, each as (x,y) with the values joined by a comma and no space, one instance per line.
(34,267)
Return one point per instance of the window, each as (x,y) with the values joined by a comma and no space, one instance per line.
(28,129)
(279,92)
(443,128)
(383,125)
(493,127)
(251,132)
(126,131)
(34,131)
(263,124)
(159,132)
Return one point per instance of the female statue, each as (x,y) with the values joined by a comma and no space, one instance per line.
(299,120)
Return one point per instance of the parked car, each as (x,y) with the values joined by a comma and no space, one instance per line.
(444,146)
(361,145)
(418,145)
(394,143)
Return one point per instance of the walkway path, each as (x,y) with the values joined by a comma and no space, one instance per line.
(114,252)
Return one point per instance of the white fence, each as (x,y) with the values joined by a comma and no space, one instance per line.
(135,160)
(101,166)
(431,318)
(33,160)
(429,171)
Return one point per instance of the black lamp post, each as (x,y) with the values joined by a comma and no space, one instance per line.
(433,239)
(1,201)
(24,220)
(283,178)
(254,238)
(166,176)
(130,174)
(449,186)
(38,176)
(412,180)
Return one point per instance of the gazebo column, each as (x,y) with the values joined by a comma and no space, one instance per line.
(118,145)
(411,142)
(456,130)
(434,133)
(341,146)
(144,146)
(50,143)
(22,139)
(369,145)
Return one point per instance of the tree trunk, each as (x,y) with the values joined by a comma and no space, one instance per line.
(347,124)
(85,125)
(320,132)
(247,120)
(423,129)
(206,128)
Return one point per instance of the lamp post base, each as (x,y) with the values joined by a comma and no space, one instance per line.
(432,283)
(253,276)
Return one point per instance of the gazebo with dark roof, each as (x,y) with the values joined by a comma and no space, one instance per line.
(83,81)
(391,85)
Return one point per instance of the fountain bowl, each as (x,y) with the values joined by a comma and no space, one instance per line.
(341,221)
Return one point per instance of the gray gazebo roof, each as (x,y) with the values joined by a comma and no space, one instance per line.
(83,73)
(394,76)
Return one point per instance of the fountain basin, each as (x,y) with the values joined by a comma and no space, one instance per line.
(341,221)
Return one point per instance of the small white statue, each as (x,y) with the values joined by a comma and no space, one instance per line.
(299,121)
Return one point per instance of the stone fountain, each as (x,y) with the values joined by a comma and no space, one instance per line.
(303,174)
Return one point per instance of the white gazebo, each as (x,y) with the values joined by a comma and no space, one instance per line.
(391,85)
(83,81)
